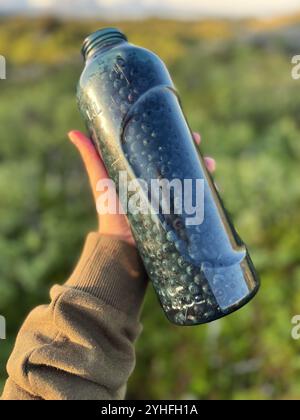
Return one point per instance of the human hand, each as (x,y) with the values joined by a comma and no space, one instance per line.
(110,224)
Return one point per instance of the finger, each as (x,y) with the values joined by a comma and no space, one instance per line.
(91,159)
(197,138)
(210,164)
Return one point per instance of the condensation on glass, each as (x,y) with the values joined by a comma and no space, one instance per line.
(129,103)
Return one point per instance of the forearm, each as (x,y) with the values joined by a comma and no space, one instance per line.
(81,346)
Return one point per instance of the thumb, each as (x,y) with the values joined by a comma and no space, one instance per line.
(92,161)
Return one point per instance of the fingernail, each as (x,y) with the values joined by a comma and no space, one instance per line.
(73,136)
(197,138)
(210,163)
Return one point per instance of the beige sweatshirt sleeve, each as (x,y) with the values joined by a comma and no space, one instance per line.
(81,345)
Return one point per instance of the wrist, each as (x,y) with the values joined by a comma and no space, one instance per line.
(128,238)
(110,269)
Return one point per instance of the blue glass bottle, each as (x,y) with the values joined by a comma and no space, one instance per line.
(200,271)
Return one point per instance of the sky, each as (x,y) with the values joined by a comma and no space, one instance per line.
(165,8)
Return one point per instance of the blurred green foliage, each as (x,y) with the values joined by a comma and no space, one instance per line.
(240,95)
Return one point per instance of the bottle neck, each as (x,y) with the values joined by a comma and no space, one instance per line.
(101,39)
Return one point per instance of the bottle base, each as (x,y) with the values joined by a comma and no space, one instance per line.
(181,320)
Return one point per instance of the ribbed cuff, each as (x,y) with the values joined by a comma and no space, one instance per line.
(112,271)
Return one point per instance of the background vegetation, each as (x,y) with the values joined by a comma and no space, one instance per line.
(236,87)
